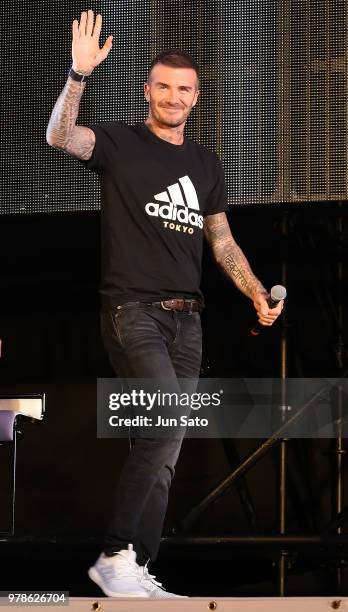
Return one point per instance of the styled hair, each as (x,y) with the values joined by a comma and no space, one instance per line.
(176,59)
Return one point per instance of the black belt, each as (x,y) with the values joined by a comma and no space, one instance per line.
(179,304)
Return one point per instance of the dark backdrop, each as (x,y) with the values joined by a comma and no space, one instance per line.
(50,330)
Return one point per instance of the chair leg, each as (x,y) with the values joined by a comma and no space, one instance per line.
(13,496)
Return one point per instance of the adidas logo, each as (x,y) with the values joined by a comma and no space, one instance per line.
(178,203)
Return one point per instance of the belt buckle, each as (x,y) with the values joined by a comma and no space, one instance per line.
(164,307)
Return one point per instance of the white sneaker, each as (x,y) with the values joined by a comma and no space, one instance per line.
(121,576)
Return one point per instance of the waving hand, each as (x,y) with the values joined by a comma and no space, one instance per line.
(85,44)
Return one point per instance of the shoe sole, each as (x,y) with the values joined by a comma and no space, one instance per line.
(96,577)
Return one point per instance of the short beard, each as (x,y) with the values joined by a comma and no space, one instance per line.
(173,123)
(167,123)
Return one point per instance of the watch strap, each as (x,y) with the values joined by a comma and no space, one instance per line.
(77,76)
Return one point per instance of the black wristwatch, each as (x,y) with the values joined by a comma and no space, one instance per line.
(77,76)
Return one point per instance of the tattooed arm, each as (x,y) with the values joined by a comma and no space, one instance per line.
(233,262)
(62,131)
(229,256)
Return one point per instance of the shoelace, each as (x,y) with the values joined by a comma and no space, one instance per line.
(130,568)
(146,577)
(141,572)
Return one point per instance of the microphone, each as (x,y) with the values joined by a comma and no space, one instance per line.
(278,293)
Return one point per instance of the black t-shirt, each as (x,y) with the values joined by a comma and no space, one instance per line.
(154,196)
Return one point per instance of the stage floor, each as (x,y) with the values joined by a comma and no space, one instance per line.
(197,604)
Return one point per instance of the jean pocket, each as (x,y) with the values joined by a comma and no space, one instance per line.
(112,329)
(124,320)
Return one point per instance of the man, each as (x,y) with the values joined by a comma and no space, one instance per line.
(160,192)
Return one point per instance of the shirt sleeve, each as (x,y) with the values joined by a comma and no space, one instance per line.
(104,145)
(217,199)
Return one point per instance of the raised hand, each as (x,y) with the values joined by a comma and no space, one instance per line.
(86,53)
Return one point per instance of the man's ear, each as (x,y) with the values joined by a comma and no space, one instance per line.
(146,92)
(197,96)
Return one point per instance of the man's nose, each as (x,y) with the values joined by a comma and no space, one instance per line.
(172,96)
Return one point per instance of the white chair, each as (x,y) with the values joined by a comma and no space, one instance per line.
(12,409)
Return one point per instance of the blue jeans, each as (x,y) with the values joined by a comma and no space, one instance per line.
(145,341)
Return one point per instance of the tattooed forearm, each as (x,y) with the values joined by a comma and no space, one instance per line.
(235,272)
(62,131)
(64,114)
(235,264)
(229,256)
